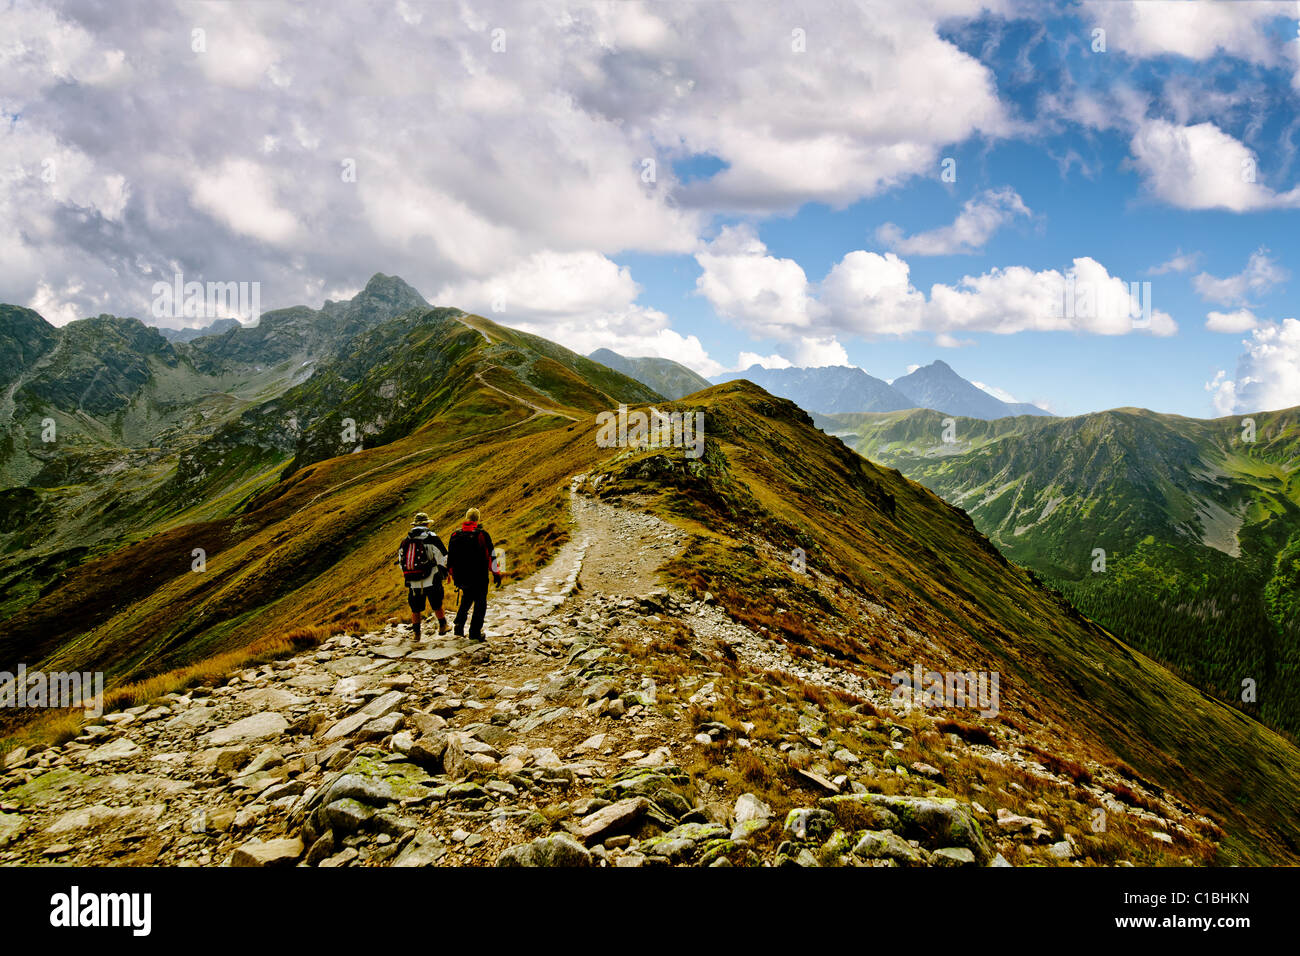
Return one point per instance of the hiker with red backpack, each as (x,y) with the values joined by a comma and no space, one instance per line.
(424,564)
(469,562)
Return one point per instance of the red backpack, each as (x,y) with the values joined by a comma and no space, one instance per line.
(417,565)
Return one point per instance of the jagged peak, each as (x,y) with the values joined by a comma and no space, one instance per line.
(386,286)
(938,365)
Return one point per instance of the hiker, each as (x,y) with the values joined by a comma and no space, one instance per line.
(469,561)
(424,564)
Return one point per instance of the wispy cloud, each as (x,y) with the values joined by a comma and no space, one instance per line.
(1262,273)
(1180,262)
(980,218)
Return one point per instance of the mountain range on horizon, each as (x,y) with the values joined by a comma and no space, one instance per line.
(291,455)
(844,388)
(823,389)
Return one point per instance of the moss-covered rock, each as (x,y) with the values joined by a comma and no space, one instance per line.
(557,850)
(809,824)
(934,821)
(840,843)
(886,845)
(49,787)
(714,850)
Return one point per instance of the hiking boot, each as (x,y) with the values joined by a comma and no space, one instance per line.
(479,638)
(443,628)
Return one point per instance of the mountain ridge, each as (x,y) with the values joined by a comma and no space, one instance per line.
(836,388)
(846,389)
(670,379)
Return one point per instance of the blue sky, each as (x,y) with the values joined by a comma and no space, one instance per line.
(714,183)
(1096,205)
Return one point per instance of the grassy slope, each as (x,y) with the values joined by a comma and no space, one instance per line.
(783,485)
(1157,493)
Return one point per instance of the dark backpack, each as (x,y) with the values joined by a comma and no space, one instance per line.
(417,565)
(467,555)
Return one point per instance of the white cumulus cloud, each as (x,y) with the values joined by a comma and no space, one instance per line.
(747,360)
(870,294)
(1267,375)
(980,217)
(1084,298)
(584,301)
(242,195)
(1195,29)
(1202,167)
(770,296)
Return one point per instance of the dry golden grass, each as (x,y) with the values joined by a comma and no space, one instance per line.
(971,733)
(60,726)
(1062,766)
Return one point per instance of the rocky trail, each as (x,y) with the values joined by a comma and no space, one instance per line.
(607,721)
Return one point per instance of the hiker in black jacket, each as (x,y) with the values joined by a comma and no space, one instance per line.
(423,560)
(469,562)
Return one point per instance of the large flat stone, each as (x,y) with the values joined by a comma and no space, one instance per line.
(12,826)
(613,819)
(270,698)
(557,850)
(101,815)
(379,707)
(193,719)
(50,787)
(258,727)
(268,853)
(120,749)
(347,666)
(423,850)
(435,654)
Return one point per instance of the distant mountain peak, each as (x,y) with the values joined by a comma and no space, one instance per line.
(389,289)
(834,388)
(379,282)
(217,327)
(942,388)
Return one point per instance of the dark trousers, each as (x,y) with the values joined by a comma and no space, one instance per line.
(479,599)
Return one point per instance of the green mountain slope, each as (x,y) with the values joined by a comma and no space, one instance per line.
(670,379)
(95,417)
(1193,520)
